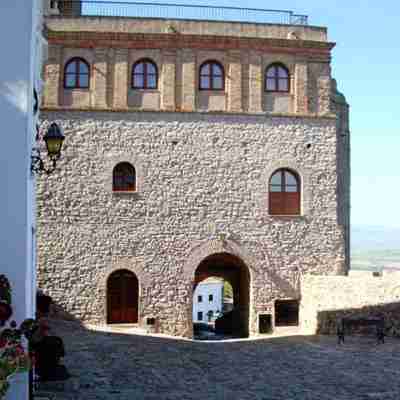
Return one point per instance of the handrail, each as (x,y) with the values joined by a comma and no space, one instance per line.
(137,9)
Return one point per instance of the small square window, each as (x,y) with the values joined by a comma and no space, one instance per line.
(70,81)
(199,299)
(152,82)
(283,85)
(84,81)
(218,83)
(210,298)
(205,82)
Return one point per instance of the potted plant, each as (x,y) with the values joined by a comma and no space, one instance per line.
(14,356)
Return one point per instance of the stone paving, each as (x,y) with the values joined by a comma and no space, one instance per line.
(118,366)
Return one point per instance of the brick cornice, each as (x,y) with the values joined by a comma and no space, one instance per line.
(84,39)
(329,116)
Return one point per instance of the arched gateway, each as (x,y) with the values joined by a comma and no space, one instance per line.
(233,270)
(122,297)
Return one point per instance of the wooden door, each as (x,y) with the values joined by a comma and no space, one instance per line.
(122,298)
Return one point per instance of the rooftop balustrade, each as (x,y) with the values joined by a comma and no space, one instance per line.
(133,9)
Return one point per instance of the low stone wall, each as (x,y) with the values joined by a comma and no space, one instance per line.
(328,298)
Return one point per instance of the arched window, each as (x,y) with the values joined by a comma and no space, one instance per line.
(144,75)
(284,193)
(212,76)
(76,74)
(124,178)
(277,78)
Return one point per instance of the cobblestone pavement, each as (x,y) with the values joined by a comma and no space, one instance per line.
(117,366)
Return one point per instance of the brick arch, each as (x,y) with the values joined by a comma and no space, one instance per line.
(214,246)
(305,183)
(130,264)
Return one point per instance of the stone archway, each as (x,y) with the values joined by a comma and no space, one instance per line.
(122,297)
(208,248)
(232,269)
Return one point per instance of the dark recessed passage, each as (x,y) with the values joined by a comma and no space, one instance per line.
(264,323)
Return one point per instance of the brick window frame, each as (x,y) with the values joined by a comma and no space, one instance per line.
(148,71)
(278,75)
(215,72)
(284,197)
(77,63)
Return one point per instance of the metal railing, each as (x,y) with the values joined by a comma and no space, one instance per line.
(174,11)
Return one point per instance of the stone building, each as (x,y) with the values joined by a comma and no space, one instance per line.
(194,148)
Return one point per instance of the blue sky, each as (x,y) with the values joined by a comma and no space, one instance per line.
(366,64)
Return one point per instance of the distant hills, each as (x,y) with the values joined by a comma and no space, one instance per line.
(375,247)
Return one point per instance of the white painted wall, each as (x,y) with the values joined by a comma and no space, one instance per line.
(205,289)
(20,44)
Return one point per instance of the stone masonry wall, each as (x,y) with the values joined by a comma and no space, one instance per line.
(328,298)
(198,174)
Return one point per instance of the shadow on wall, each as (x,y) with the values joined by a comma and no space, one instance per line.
(47,308)
(327,320)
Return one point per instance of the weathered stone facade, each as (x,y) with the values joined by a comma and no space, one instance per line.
(202,175)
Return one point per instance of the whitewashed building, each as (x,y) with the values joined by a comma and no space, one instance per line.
(21,43)
(208,301)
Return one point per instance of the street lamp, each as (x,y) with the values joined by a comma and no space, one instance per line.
(54,139)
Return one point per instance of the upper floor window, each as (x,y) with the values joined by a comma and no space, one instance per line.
(277,78)
(144,75)
(76,74)
(124,178)
(284,193)
(212,76)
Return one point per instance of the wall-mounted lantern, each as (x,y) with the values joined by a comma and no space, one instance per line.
(54,139)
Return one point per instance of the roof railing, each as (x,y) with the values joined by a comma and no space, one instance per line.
(174,11)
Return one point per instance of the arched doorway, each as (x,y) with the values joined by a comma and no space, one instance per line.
(234,321)
(122,297)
